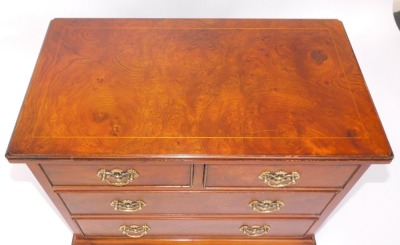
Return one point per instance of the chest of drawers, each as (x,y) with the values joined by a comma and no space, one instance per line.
(197,131)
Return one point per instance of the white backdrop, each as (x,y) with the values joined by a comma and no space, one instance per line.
(369,215)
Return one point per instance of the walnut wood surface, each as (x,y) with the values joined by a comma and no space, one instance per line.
(197,202)
(149,175)
(193,227)
(199,108)
(317,175)
(199,88)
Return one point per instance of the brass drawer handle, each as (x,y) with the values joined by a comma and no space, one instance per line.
(128,205)
(255,230)
(117,177)
(279,178)
(266,206)
(134,231)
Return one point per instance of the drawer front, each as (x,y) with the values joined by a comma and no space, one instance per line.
(133,175)
(154,202)
(258,175)
(195,227)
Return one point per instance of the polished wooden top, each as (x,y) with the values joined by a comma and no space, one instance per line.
(131,88)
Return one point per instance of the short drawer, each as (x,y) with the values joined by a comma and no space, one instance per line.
(292,176)
(195,227)
(166,202)
(107,174)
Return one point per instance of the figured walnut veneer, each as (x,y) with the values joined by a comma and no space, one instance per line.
(207,87)
(203,112)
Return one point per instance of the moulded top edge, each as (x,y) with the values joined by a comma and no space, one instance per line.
(19,158)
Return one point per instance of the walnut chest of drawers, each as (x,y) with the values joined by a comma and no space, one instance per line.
(197,131)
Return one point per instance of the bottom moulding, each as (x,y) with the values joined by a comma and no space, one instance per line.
(79,240)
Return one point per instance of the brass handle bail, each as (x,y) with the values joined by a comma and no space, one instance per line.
(266,206)
(134,231)
(255,230)
(128,205)
(117,177)
(279,179)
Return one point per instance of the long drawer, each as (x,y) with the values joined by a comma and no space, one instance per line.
(120,175)
(195,227)
(276,176)
(196,202)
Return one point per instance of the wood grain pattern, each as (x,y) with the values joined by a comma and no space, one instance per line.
(199,109)
(152,175)
(193,227)
(248,88)
(248,176)
(196,202)
(216,88)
